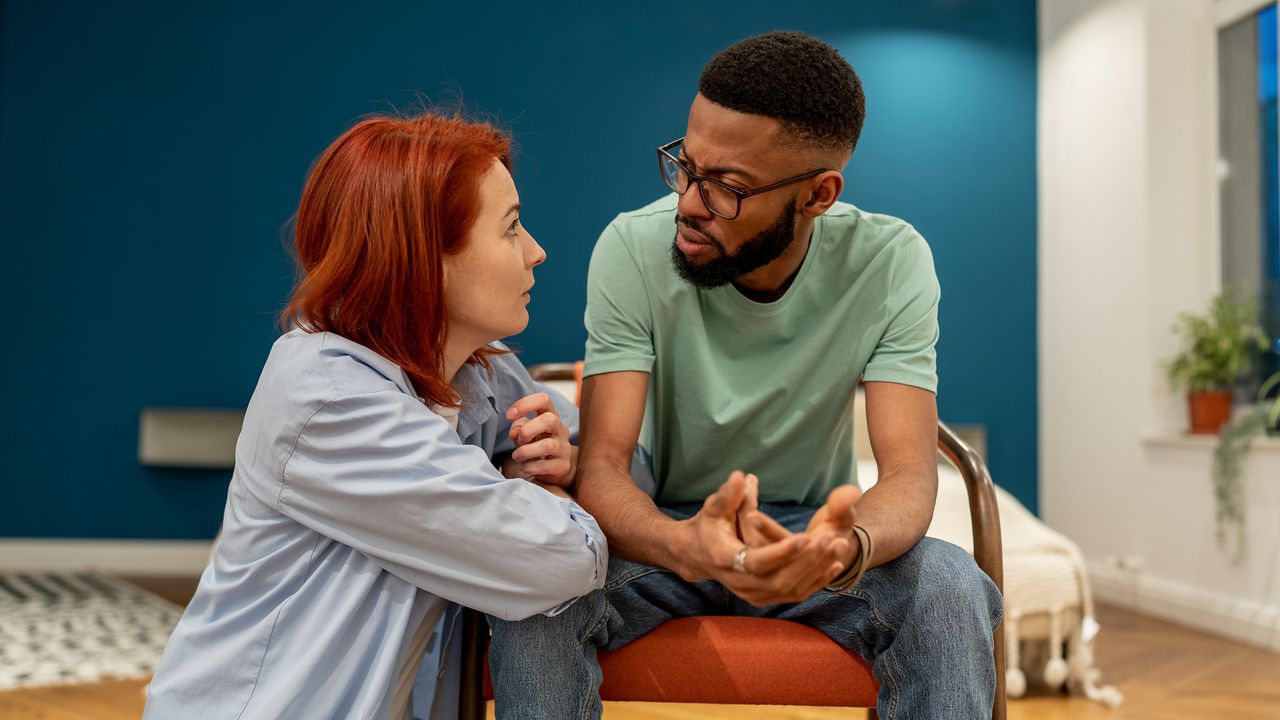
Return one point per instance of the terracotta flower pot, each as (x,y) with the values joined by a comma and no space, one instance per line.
(1209,411)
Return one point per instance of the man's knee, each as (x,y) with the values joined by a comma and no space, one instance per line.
(947,580)
(583,619)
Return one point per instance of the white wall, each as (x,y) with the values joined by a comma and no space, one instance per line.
(1128,233)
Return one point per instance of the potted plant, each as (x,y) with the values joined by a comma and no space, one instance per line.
(1233,443)
(1217,348)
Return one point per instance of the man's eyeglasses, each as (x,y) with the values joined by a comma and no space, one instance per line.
(719,198)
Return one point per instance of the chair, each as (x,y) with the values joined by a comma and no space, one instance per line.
(723,659)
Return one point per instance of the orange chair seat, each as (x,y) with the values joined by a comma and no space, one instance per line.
(734,660)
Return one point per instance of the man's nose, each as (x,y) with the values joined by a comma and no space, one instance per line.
(691,203)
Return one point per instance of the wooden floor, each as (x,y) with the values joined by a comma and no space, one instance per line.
(1165,672)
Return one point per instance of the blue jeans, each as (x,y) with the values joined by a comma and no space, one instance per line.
(924,621)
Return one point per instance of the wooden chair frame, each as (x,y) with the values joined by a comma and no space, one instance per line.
(987,552)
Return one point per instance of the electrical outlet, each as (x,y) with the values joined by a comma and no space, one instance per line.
(1125,563)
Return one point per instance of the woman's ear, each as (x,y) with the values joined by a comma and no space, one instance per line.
(823,193)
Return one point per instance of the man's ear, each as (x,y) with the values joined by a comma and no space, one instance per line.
(824,190)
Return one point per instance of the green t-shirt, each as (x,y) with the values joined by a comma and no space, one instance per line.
(761,387)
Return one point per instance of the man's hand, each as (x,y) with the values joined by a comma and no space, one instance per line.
(831,525)
(785,568)
(543,453)
(836,518)
(747,531)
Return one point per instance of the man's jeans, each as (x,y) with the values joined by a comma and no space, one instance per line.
(924,622)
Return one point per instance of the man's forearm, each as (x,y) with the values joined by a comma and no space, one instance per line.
(636,529)
(896,512)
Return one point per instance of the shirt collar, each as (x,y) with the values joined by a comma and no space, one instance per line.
(479,403)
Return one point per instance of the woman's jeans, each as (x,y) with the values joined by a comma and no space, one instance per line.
(924,621)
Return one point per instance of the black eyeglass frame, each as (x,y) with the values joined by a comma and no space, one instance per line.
(664,152)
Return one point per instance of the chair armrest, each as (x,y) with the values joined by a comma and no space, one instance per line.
(983,511)
(984,515)
(543,372)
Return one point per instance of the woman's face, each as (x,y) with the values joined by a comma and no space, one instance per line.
(487,284)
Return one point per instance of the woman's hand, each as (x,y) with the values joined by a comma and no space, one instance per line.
(543,453)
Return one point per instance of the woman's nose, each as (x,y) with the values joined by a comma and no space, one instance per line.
(537,255)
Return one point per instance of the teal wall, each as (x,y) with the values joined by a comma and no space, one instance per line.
(150,154)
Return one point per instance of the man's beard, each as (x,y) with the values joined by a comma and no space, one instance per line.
(761,249)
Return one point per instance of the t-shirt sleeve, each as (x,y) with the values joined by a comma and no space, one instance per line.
(619,319)
(905,353)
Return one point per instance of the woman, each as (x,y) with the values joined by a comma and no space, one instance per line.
(365,497)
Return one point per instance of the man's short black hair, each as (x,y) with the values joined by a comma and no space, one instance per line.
(795,78)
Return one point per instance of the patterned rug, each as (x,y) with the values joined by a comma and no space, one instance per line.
(60,628)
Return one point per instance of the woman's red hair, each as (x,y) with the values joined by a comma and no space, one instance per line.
(381,208)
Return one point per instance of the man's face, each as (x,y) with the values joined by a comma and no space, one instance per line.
(712,265)
(742,151)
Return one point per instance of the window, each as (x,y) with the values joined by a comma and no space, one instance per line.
(1250,191)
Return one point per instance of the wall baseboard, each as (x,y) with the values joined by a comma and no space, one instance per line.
(1246,621)
(142,558)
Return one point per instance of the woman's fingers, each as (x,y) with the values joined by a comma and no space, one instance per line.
(548,424)
(514,432)
(536,403)
(538,449)
(550,468)
(542,444)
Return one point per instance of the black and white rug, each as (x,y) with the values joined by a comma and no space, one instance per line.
(60,628)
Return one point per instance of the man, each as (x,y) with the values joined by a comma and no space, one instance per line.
(743,310)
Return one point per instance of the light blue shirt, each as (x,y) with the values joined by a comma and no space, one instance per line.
(355,515)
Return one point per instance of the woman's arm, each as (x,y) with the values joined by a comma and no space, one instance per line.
(380,472)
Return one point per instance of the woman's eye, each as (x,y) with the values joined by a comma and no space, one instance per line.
(514,226)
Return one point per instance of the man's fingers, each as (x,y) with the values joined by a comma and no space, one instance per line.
(840,506)
(535,403)
(768,558)
(786,580)
(788,585)
(751,537)
(767,527)
(750,502)
(724,502)
(751,492)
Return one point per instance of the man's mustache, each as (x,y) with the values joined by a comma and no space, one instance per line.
(695,226)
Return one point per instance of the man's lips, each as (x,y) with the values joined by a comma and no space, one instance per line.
(690,235)
(691,242)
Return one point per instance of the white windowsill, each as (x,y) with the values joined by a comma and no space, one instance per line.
(1208,442)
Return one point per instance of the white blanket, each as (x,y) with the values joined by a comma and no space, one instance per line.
(1048,604)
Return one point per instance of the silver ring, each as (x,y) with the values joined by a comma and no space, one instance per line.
(740,561)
